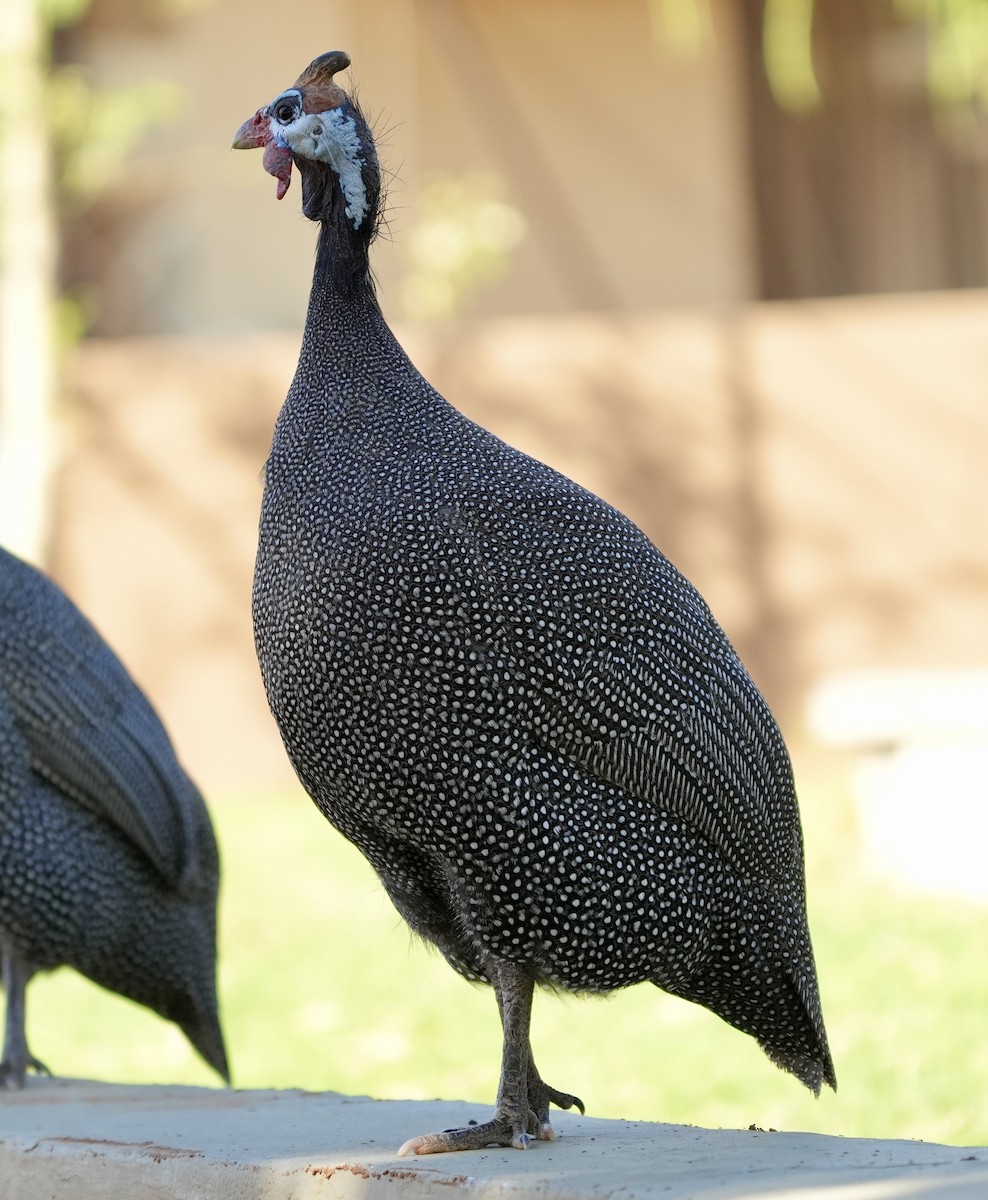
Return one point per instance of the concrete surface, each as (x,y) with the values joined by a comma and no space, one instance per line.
(72,1138)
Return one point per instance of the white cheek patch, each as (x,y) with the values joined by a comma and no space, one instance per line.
(331,137)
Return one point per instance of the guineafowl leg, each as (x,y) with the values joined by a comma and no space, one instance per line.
(514,1123)
(541,1095)
(16,1056)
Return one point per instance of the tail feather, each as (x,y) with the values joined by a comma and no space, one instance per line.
(776,1002)
(813,1072)
(204,1032)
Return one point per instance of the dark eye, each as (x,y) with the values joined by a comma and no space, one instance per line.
(285,111)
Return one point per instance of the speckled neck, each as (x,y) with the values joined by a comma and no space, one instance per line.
(352,371)
(343,304)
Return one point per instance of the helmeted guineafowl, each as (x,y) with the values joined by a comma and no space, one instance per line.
(108,862)
(494,685)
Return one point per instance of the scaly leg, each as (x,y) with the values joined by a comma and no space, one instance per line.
(16,1056)
(541,1095)
(521,1111)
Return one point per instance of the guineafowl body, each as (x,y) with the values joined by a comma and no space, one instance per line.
(108,862)
(492,683)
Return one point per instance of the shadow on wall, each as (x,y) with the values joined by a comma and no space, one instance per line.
(816,469)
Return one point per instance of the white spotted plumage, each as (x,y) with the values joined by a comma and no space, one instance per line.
(522,714)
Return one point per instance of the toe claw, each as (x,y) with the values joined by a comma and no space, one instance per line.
(411,1147)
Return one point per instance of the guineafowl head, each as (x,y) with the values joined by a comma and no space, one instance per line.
(317,127)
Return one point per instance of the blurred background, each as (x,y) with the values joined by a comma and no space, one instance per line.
(724,262)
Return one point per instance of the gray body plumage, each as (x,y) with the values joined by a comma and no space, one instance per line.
(493,684)
(108,862)
(518,709)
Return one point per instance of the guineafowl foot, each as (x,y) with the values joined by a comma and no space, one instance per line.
(521,1115)
(13,1074)
(501,1131)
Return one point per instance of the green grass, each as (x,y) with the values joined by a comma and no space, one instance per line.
(322,987)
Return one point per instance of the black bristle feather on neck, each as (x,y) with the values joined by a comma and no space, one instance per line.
(342,251)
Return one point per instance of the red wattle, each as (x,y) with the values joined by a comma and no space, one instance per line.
(278,162)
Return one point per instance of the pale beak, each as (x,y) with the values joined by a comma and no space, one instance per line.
(254,133)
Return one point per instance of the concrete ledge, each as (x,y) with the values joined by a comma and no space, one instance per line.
(81,1140)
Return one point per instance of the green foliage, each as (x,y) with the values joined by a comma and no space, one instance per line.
(93,131)
(787,45)
(56,13)
(957,54)
(324,988)
(687,25)
(957,64)
(72,314)
(96,129)
(463,235)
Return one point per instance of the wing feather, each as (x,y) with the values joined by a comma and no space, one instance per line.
(88,727)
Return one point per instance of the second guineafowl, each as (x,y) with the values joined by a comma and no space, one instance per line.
(495,686)
(108,862)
